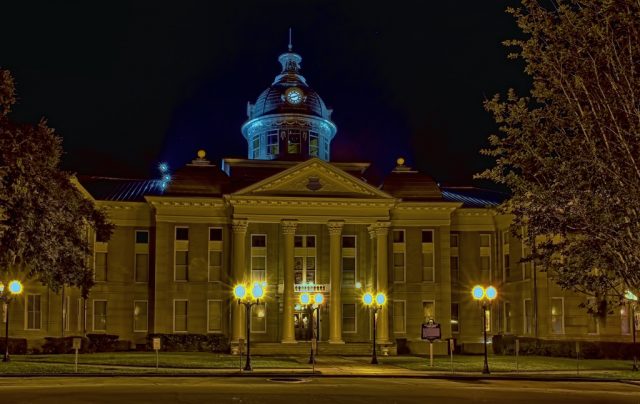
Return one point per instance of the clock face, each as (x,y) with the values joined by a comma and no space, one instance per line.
(293,96)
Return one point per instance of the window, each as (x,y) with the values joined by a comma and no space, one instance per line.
(182,266)
(593,322)
(398,267)
(305,260)
(625,323)
(215,254)
(66,313)
(259,318)
(181,260)
(528,317)
(506,263)
(214,316)
(454,260)
(273,143)
(100,271)
(399,316)
(325,148)
(485,257)
(182,234)
(348,317)
(349,261)
(508,315)
(99,315)
(215,234)
(557,315)
(428,259)
(428,311)
(258,240)
(180,314)
(455,317)
(348,241)
(255,146)
(142,268)
(348,271)
(140,316)
(313,143)
(34,315)
(293,143)
(142,237)
(399,251)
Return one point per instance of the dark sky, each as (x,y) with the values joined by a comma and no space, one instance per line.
(130,84)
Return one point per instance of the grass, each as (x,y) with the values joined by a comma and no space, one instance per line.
(507,364)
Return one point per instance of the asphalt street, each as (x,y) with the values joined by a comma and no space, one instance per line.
(239,390)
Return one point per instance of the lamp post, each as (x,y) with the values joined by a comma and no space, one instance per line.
(318,299)
(14,289)
(484,296)
(633,300)
(249,298)
(374,304)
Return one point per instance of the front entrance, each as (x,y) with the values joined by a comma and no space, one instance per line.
(302,323)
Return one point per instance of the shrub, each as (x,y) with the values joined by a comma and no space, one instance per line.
(17,346)
(505,345)
(64,345)
(190,342)
(102,342)
(402,346)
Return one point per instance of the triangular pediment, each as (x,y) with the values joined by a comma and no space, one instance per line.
(314,177)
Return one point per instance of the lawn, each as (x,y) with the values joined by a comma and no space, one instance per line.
(141,362)
(526,365)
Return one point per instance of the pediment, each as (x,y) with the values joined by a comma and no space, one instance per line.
(314,177)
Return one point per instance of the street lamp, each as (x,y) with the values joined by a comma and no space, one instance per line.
(14,289)
(249,298)
(374,304)
(305,301)
(633,299)
(484,296)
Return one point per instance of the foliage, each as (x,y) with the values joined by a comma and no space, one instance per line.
(63,345)
(570,151)
(102,342)
(44,218)
(17,346)
(190,342)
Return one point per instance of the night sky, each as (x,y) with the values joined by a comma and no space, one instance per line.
(129,85)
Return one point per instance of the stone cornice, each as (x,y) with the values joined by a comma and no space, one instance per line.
(307,202)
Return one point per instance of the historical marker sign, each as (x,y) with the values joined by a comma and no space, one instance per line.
(431,331)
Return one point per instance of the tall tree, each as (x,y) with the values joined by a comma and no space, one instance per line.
(570,150)
(45,221)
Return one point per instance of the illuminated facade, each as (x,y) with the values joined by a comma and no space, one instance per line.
(291,218)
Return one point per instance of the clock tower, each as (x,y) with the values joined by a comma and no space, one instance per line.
(289,120)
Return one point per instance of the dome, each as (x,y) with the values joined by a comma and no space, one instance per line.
(274,99)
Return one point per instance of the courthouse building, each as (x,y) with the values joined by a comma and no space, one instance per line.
(289,216)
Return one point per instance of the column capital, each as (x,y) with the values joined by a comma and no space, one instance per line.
(239,225)
(372,231)
(382,228)
(289,226)
(335,227)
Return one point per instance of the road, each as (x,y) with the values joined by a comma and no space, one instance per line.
(237,390)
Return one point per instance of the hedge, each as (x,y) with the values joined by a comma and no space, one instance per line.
(17,346)
(190,343)
(90,344)
(506,345)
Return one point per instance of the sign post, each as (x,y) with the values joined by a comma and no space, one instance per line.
(156,347)
(431,331)
(77,343)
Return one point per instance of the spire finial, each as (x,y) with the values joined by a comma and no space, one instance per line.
(290,45)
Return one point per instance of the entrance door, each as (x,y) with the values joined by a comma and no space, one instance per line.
(302,324)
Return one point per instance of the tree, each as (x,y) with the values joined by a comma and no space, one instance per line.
(45,220)
(570,151)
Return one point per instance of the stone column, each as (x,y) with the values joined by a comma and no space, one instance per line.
(288,331)
(382,233)
(371,268)
(335,301)
(238,276)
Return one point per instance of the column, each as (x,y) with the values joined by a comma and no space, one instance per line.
(335,301)
(288,331)
(382,234)
(371,268)
(238,276)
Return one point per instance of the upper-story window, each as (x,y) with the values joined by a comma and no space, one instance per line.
(399,255)
(428,256)
(314,145)
(255,147)
(293,142)
(349,259)
(273,144)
